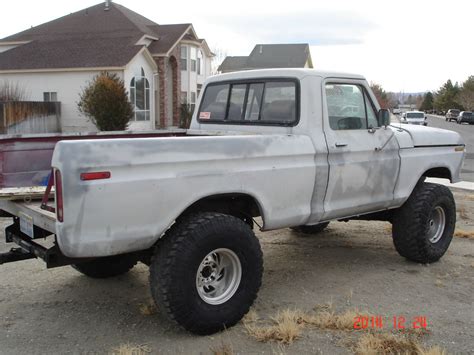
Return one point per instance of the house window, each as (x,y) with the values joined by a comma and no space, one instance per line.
(140,97)
(50,96)
(193,100)
(193,59)
(184,58)
(199,62)
(184,97)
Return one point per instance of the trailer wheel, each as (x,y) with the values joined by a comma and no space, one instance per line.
(206,272)
(423,227)
(313,229)
(109,266)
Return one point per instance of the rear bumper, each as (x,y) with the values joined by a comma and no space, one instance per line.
(30,249)
(41,218)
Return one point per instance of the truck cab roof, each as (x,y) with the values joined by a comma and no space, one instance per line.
(298,73)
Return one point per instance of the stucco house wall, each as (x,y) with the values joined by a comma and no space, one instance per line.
(133,69)
(67,85)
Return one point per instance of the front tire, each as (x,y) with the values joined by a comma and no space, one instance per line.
(423,227)
(106,267)
(206,272)
(311,229)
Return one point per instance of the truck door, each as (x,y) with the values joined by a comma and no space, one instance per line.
(363,157)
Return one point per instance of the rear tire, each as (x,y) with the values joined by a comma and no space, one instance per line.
(311,229)
(105,267)
(423,227)
(206,272)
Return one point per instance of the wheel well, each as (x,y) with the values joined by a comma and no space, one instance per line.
(239,205)
(443,173)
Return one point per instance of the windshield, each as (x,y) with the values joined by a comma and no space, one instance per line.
(454,111)
(467,114)
(415,115)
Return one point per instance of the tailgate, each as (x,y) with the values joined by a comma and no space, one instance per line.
(30,212)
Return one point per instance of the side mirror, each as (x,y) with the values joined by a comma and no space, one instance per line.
(383,117)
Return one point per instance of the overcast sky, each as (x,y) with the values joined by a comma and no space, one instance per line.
(405,45)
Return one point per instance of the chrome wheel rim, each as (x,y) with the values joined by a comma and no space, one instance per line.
(436,224)
(218,276)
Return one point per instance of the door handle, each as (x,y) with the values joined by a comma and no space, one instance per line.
(341,144)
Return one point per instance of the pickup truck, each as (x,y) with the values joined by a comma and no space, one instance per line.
(275,147)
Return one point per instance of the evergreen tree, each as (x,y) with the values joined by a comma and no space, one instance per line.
(427,103)
(105,101)
(446,97)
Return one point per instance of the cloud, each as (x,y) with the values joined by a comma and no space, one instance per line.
(316,28)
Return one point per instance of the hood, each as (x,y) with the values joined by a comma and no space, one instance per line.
(411,135)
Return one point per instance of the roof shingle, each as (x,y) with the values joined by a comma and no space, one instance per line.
(270,56)
(92,37)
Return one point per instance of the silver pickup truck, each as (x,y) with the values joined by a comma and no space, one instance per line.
(283,148)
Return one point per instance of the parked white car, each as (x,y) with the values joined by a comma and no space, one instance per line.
(297,147)
(414,117)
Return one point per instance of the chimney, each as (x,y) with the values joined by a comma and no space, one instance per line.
(261,49)
(107,5)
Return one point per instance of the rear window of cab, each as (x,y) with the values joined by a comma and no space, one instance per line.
(257,102)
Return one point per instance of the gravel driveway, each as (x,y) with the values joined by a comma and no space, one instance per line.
(351,265)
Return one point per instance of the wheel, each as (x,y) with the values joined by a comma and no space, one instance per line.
(423,227)
(109,266)
(206,272)
(313,229)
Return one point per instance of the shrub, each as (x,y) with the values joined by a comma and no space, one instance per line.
(186,115)
(105,102)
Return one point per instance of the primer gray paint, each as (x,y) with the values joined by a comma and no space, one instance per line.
(297,174)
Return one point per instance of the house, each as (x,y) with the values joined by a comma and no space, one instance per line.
(270,56)
(161,65)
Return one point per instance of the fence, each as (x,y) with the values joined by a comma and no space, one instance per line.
(23,117)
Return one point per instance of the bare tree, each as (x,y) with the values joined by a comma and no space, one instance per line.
(465,97)
(12,92)
(219,55)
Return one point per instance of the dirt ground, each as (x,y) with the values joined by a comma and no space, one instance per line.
(351,265)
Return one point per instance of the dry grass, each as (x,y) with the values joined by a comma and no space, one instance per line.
(462,212)
(222,349)
(439,283)
(250,317)
(288,324)
(464,234)
(286,328)
(148,309)
(131,349)
(388,343)
(332,320)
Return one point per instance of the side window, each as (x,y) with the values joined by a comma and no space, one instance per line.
(214,103)
(372,121)
(279,102)
(254,101)
(346,107)
(236,105)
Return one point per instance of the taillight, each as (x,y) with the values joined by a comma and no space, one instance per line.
(96,175)
(58,184)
